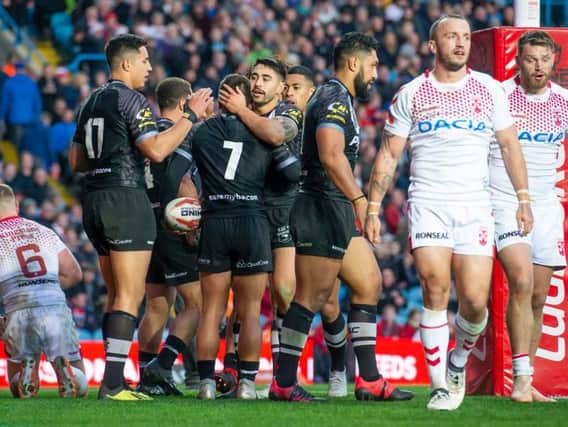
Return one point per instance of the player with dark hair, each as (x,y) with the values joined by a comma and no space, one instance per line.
(300,87)
(115,131)
(234,248)
(35,265)
(173,266)
(540,110)
(324,223)
(275,122)
(449,116)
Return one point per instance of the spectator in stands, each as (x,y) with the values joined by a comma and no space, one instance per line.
(9,173)
(412,327)
(37,140)
(61,134)
(387,326)
(40,190)
(20,105)
(24,179)
(49,88)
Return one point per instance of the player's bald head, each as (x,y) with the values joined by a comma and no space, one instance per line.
(7,200)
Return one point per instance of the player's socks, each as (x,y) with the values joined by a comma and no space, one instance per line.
(206,369)
(435,335)
(172,347)
(248,370)
(335,334)
(104,323)
(521,365)
(119,327)
(293,337)
(230,361)
(143,359)
(467,334)
(362,324)
(275,337)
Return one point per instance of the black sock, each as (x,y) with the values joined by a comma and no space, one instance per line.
(293,338)
(230,361)
(276,328)
(172,347)
(206,369)
(236,330)
(335,334)
(248,370)
(104,327)
(119,328)
(363,329)
(143,359)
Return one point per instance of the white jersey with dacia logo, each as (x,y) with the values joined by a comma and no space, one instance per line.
(541,121)
(449,127)
(29,265)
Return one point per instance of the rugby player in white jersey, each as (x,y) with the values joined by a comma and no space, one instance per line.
(449,116)
(540,110)
(34,264)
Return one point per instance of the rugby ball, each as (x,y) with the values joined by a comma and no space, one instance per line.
(183,214)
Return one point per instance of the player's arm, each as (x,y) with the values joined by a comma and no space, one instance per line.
(286,163)
(273,131)
(380,181)
(69,270)
(157,146)
(517,171)
(77,158)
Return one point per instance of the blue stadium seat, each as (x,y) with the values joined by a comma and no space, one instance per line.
(62,28)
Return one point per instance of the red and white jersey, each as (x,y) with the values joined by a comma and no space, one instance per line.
(449,127)
(542,122)
(29,265)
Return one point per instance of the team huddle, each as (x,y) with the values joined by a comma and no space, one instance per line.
(273,169)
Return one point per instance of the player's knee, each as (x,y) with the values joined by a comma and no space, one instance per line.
(520,285)
(473,307)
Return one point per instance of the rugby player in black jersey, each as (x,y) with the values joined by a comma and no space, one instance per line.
(116,130)
(173,266)
(326,220)
(234,248)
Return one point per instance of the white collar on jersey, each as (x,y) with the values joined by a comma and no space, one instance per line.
(543,97)
(447,86)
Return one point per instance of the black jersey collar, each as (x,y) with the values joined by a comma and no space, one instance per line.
(340,83)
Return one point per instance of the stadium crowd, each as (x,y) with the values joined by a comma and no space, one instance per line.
(202,42)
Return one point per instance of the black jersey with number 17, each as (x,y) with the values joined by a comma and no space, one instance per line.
(111,123)
(232,163)
(331,106)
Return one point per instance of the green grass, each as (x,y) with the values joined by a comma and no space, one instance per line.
(49,410)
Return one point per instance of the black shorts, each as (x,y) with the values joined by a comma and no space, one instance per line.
(322,227)
(173,261)
(119,219)
(238,244)
(279,223)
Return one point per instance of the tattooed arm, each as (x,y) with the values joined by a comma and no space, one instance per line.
(384,167)
(275,131)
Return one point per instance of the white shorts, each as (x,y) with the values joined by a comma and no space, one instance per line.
(50,330)
(468,230)
(546,237)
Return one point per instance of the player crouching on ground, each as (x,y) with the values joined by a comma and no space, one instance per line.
(34,265)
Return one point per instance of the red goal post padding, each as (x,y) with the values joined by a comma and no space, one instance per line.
(489,369)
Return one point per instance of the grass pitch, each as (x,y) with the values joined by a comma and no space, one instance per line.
(49,410)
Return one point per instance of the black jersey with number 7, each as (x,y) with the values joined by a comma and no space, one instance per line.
(232,164)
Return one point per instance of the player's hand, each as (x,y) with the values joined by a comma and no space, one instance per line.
(200,102)
(373,229)
(232,99)
(360,209)
(524,218)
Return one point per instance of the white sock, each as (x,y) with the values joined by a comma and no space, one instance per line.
(521,365)
(435,335)
(467,334)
